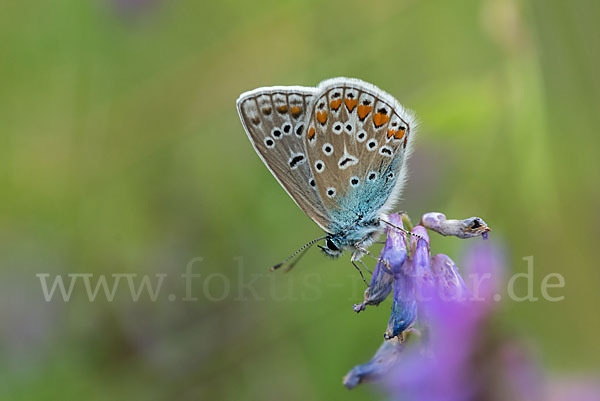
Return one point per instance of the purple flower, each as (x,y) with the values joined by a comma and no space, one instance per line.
(384,360)
(411,278)
(433,288)
(413,281)
(459,357)
(449,283)
(394,253)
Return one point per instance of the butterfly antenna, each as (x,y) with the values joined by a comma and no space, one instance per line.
(295,261)
(293,255)
(400,228)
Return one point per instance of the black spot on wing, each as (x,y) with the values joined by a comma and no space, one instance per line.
(296,160)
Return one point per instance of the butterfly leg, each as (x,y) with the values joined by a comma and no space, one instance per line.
(365,266)
(386,266)
(360,271)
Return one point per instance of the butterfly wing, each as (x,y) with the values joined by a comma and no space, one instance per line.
(274,119)
(358,139)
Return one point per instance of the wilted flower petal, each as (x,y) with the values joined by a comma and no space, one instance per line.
(404,306)
(467,228)
(379,287)
(386,357)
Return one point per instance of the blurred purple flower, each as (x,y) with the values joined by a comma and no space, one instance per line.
(441,367)
(132,8)
(573,389)
(448,281)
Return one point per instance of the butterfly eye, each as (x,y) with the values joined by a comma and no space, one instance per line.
(331,245)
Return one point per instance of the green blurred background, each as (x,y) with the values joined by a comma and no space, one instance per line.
(121,152)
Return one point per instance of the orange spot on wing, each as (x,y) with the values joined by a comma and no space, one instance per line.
(282,109)
(295,110)
(335,104)
(350,104)
(379,119)
(405,140)
(322,116)
(391,133)
(399,134)
(364,111)
(311,133)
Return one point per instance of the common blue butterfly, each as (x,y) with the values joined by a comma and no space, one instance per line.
(339,150)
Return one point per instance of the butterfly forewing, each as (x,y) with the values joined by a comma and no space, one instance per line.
(357,141)
(274,119)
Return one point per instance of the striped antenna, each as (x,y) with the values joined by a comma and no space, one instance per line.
(401,229)
(293,255)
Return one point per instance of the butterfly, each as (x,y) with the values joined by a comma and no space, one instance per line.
(340,152)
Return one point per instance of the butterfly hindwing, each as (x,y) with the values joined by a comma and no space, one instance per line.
(274,119)
(358,140)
